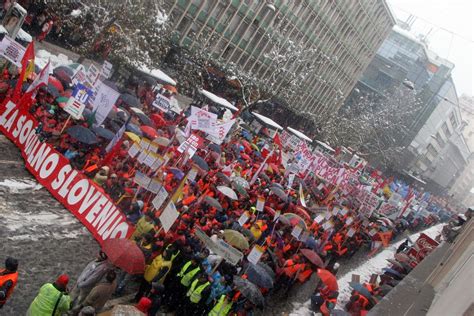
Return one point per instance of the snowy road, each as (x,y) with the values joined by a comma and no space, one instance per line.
(365,270)
(37,230)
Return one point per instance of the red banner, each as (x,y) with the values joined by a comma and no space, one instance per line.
(80,195)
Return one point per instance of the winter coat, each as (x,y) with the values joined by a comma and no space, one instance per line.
(141,228)
(43,304)
(99,295)
(93,273)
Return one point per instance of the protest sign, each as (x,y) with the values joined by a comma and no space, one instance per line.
(154,186)
(150,159)
(220,131)
(291,178)
(191,145)
(158,163)
(260,203)
(220,248)
(92,74)
(77,193)
(103,102)
(160,197)
(78,100)
(243,218)
(141,179)
(192,174)
(106,70)
(255,254)
(319,219)
(12,50)
(161,102)
(203,120)
(143,154)
(296,231)
(168,216)
(134,150)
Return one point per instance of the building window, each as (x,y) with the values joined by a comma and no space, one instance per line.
(432,152)
(452,119)
(440,140)
(445,129)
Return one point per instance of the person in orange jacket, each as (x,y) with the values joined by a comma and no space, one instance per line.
(8,280)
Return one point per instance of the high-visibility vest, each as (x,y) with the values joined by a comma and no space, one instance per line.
(194,292)
(187,276)
(165,264)
(222,307)
(8,277)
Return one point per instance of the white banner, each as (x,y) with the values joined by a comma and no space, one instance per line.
(103,102)
(220,131)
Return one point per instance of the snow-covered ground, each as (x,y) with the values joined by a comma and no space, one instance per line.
(365,270)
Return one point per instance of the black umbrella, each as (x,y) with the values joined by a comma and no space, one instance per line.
(277,185)
(134,129)
(249,290)
(130,100)
(212,202)
(103,132)
(142,116)
(259,276)
(225,179)
(264,177)
(82,134)
(64,74)
(215,148)
(201,163)
(24,86)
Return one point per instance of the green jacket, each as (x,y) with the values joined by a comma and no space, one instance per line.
(43,304)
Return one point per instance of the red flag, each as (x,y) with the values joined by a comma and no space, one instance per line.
(276,158)
(108,158)
(40,80)
(29,55)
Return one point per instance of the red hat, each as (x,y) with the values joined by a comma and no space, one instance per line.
(144,304)
(62,280)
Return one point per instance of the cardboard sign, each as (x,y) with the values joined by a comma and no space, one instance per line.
(76,192)
(221,248)
(296,232)
(134,150)
(12,51)
(255,254)
(260,203)
(168,216)
(78,100)
(243,218)
(160,197)
(163,103)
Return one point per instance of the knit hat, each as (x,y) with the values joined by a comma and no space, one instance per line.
(62,280)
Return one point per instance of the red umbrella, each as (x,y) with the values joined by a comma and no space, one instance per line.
(329,279)
(56,83)
(149,131)
(313,257)
(125,254)
(158,120)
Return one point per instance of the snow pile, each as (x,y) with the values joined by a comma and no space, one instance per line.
(76,13)
(42,57)
(373,265)
(161,18)
(15,185)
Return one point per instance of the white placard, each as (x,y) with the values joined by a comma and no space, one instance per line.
(158,162)
(192,174)
(154,186)
(351,232)
(328,215)
(141,158)
(168,217)
(260,204)
(296,232)
(160,198)
(243,218)
(77,102)
(103,102)
(150,159)
(134,150)
(291,179)
(106,70)
(255,254)
(372,232)
(335,211)
(92,74)
(319,219)
(349,220)
(328,225)
(163,103)
(141,179)
(145,143)
(343,211)
(12,51)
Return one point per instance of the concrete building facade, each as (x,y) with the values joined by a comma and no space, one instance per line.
(435,147)
(461,189)
(347,33)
